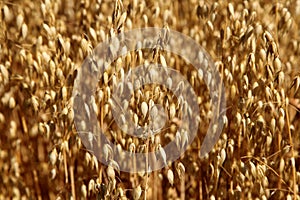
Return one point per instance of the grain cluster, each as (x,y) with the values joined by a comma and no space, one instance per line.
(256,48)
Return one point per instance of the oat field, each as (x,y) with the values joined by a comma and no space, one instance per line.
(255,47)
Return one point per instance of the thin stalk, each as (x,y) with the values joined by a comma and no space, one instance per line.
(182,187)
(293,152)
(65,165)
(147,163)
(71,168)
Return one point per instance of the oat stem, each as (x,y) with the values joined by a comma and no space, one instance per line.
(71,168)
(182,187)
(147,163)
(293,152)
(65,166)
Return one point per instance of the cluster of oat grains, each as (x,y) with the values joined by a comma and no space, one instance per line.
(255,46)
